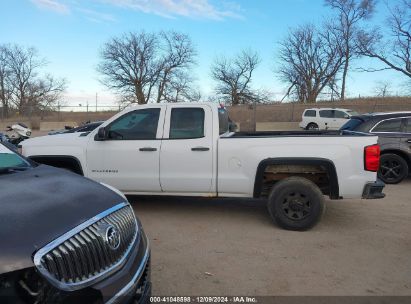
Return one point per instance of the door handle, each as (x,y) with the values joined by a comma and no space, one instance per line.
(147,149)
(409,141)
(200,149)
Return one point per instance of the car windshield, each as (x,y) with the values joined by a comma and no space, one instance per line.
(351,125)
(10,161)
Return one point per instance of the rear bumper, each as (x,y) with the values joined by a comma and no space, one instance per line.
(373,190)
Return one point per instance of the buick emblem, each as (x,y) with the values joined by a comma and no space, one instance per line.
(112,237)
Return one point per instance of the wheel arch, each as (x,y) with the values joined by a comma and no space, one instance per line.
(400,153)
(327,164)
(61,161)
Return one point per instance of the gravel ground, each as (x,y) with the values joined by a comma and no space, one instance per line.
(231,247)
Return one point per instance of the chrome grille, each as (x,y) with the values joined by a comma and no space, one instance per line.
(83,255)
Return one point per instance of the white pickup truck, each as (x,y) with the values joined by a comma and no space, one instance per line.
(189,150)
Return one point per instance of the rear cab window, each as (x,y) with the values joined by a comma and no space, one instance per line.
(187,123)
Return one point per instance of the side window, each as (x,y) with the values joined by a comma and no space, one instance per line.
(310,113)
(136,125)
(391,126)
(187,123)
(408,126)
(340,114)
(327,114)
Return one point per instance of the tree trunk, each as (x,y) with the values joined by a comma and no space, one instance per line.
(312,97)
(344,77)
(140,94)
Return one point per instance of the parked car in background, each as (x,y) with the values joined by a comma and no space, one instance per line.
(87,127)
(67,239)
(394,132)
(3,138)
(18,132)
(325,118)
(188,150)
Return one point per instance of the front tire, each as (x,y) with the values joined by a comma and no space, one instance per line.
(296,203)
(393,168)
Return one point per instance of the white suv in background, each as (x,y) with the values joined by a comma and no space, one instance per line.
(325,118)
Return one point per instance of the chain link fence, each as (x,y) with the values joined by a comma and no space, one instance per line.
(246,116)
(73,114)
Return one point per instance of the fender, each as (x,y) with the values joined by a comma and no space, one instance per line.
(60,161)
(327,164)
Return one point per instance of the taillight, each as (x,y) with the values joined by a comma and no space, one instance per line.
(372,158)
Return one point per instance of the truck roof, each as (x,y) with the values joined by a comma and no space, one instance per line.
(214,104)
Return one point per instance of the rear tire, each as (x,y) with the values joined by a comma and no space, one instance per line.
(393,168)
(312,127)
(296,203)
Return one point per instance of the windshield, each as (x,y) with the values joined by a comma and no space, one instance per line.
(11,160)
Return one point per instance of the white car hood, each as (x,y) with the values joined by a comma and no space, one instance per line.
(56,140)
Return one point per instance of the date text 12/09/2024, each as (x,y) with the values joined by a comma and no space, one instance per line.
(201,299)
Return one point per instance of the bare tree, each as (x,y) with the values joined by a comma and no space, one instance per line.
(5,90)
(233,77)
(130,65)
(310,60)
(180,89)
(406,88)
(21,84)
(350,14)
(139,66)
(178,58)
(383,88)
(393,50)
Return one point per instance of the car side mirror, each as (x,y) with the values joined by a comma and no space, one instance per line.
(232,127)
(101,134)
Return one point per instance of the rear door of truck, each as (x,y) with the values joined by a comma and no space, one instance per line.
(186,156)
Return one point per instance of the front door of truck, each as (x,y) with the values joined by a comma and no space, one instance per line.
(186,158)
(129,157)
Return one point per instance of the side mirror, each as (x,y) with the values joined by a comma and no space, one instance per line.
(232,127)
(101,134)
(347,116)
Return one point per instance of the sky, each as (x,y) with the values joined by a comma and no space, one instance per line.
(69,34)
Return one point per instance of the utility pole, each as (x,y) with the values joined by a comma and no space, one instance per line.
(96,100)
